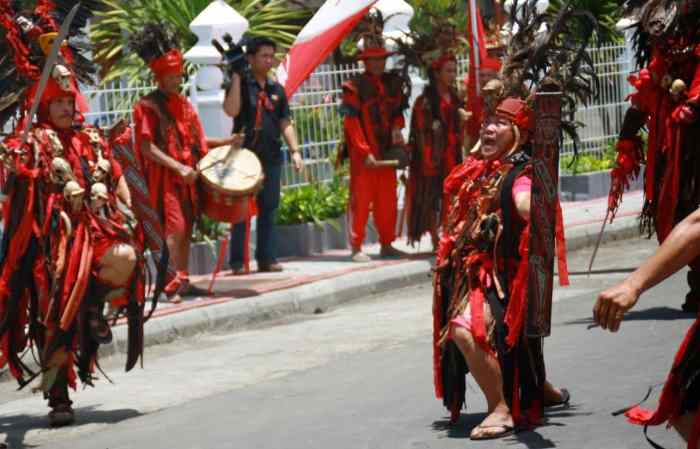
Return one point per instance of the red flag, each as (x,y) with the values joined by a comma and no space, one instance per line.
(475,103)
(324,32)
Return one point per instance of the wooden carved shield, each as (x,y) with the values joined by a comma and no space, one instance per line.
(545,182)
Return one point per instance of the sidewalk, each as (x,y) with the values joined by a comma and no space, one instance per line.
(313,285)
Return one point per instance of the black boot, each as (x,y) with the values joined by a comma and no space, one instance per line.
(61,413)
(692,299)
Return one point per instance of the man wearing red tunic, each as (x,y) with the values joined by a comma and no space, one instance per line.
(373,104)
(171,141)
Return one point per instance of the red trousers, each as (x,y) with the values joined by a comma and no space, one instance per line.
(375,188)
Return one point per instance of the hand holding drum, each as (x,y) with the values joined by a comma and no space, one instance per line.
(230,177)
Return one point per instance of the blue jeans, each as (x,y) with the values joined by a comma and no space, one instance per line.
(268,200)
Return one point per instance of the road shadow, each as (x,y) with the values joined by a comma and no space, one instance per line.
(530,438)
(652,314)
(16,427)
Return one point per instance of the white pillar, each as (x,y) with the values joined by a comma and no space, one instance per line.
(217,19)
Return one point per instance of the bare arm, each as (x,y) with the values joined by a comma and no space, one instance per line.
(156,155)
(216,143)
(123,192)
(679,249)
(522,205)
(289,135)
(232,102)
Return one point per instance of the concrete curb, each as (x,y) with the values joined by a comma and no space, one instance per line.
(326,294)
(320,296)
(584,236)
(312,298)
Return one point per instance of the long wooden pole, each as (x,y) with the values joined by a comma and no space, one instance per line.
(475,43)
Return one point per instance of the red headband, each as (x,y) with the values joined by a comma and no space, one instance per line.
(440,62)
(518,112)
(170,63)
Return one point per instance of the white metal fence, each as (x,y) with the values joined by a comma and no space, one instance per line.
(315,110)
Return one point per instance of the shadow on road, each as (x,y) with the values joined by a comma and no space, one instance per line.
(653,314)
(527,437)
(15,427)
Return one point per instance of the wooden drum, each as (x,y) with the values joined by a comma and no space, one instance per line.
(230,177)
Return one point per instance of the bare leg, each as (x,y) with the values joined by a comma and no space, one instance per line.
(552,394)
(178,252)
(117,265)
(487,373)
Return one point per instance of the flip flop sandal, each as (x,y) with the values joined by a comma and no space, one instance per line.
(565,399)
(506,431)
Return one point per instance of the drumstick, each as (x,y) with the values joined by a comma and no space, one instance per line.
(387,163)
(215,163)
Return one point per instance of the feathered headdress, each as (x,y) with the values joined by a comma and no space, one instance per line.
(545,52)
(370,31)
(159,47)
(659,22)
(432,49)
(25,39)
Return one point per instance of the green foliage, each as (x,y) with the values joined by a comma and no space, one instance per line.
(455,11)
(208,230)
(606,12)
(587,163)
(313,203)
(322,122)
(120,18)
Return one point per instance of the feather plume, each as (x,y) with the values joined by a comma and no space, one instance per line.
(153,41)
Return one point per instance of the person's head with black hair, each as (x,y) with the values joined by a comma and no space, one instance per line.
(261,55)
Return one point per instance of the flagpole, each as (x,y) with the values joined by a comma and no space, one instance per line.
(475,44)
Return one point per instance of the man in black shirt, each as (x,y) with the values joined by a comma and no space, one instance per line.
(260,110)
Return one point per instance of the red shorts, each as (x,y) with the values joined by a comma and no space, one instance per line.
(178,211)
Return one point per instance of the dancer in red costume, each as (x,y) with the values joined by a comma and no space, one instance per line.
(667,102)
(437,131)
(171,141)
(373,104)
(483,309)
(680,398)
(70,242)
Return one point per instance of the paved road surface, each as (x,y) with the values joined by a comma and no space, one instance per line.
(360,377)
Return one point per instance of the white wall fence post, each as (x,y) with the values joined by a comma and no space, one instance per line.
(217,19)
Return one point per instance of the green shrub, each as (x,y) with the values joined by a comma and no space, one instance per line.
(313,203)
(587,163)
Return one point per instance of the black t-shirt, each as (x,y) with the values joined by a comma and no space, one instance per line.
(266,143)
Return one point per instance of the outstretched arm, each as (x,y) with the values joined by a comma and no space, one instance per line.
(677,251)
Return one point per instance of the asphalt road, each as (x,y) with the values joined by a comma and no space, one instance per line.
(360,377)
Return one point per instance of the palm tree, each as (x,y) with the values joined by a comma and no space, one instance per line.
(276,19)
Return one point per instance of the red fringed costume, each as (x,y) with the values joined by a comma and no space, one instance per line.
(436,149)
(70,242)
(667,101)
(61,218)
(482,262)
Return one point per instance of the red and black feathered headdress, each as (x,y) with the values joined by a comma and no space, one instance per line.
(26,35)
(543,54)
(159,47)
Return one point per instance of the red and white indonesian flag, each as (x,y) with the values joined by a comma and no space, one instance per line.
(324,32)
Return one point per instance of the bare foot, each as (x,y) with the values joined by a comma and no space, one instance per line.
(554,396)
(496,425)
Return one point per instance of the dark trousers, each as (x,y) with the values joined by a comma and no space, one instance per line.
(268,200)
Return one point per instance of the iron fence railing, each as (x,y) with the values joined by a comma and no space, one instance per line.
(315,110)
